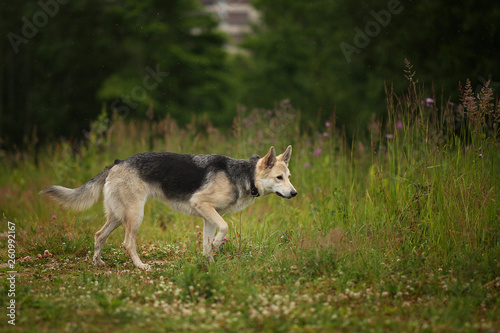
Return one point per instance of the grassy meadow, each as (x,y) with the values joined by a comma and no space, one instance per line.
(398,232)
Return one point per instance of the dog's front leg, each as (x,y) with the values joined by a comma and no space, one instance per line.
(211,216)
(208,237)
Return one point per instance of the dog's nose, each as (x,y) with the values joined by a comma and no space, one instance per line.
(293,193)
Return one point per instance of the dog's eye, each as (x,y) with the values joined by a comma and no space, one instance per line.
(280,177)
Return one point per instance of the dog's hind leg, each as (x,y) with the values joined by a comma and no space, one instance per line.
(208,237)
(124,198)
(100,237)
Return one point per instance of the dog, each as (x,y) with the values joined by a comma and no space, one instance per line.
(201,185)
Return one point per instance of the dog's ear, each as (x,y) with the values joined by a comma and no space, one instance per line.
(270,158)
(285,157)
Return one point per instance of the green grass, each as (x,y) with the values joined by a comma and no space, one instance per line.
(396,233)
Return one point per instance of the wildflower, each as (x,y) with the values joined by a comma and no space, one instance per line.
(197,227)
(325,134)
(307,165)
(389,136)
(54,217)
(39,256)
(480,155)
(40,227)
(399,125)
(285,102)
(317,152)
(328,124)
(429,102)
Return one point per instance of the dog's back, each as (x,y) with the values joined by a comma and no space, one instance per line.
(180,176)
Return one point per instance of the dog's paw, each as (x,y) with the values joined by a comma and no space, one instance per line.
(216,245)
(145,267)
(98,262)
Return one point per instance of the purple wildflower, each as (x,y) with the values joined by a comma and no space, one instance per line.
(307,165)
(317,152)
(389,136)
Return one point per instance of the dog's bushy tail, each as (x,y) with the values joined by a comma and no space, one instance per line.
(80,198)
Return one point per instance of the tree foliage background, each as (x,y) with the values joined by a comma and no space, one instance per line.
(56,73)
(297,53)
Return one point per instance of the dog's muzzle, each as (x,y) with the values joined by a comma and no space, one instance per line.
(292,194)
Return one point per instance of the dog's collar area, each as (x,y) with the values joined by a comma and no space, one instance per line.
(254,191)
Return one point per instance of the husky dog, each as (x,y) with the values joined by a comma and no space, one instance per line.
(202,185)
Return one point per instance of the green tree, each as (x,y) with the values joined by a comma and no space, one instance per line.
(339,55)
(178,41)
(54,56)
(60,60)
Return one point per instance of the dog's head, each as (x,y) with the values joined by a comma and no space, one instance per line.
(272,174)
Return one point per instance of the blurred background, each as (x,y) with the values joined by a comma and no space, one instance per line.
(65,61)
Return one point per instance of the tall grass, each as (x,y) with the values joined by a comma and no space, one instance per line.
(405,219)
